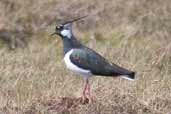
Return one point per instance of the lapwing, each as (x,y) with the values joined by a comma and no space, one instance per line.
(85,61)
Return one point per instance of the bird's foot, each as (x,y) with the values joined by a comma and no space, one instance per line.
(85,100)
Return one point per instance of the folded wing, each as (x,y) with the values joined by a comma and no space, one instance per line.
(90,60)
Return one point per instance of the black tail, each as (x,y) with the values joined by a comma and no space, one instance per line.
(130,76)
(123,72)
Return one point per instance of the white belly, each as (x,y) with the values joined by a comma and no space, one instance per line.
(73,67)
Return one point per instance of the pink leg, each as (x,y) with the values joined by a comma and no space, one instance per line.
(89,93)
(84,90)
(86,86)
(88,89)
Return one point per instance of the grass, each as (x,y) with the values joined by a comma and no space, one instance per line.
(37,74)
(34,79)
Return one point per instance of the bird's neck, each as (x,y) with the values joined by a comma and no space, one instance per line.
(70,43)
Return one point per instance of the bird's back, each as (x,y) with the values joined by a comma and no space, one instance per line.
(88,59)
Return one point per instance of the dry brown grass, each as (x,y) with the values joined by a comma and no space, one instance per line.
(34,80)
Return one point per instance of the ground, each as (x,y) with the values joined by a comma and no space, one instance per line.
(133,34)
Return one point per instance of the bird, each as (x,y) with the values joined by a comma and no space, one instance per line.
(85,61)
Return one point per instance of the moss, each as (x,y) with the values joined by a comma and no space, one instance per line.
(85,39)
(116,38)
(99,37)
(2,44)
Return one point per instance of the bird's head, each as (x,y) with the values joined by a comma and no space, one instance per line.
(65,29)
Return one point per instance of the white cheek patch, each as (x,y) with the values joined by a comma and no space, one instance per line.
(66,33)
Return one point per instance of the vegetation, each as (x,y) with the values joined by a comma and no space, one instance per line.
(132,33)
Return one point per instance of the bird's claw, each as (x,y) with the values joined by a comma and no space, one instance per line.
(85,100)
